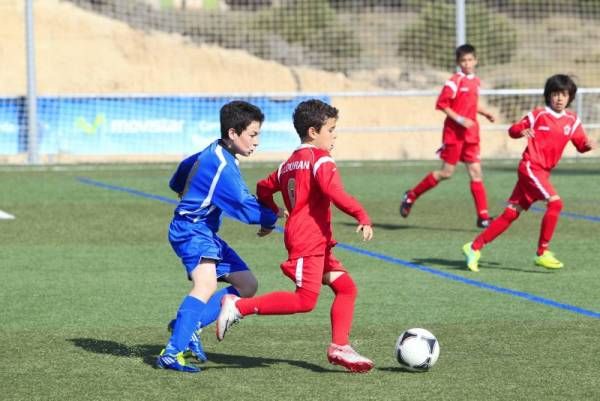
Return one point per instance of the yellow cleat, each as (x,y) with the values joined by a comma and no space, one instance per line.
(472,257)
(548,260)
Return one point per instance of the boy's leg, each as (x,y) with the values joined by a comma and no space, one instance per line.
(479,194)
(305,272)
(279,303)
(339,351)
(549,222)
(342,308)
(274,303)
(537,185)
(232,269)
(544,257)
(471,250)
(470,155)
(204,284)
(428,182)
(497,227)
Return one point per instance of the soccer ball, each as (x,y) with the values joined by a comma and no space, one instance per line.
(417,349)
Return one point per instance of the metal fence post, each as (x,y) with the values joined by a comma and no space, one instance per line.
(32,138)
(461,23)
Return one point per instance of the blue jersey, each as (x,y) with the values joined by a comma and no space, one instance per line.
(210,184)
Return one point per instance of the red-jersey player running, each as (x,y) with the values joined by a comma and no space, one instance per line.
(309,182)
(459,100)
(548,130)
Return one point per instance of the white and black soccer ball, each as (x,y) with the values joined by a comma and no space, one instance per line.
(417,349)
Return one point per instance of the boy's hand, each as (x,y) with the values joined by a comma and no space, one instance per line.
(367,231)
(590,143)
(264,231)
(490,117)
(467,122)
(528,132)
(283,213)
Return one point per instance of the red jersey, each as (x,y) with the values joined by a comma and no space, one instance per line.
(309,182)
(461,94)
(552,132)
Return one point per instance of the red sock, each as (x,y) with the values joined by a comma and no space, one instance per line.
(425,185)
(549,222)
(496,227)
(279,303)
(478,192)
(342,309)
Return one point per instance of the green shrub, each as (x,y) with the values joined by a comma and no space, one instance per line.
(313,25)
(431,38)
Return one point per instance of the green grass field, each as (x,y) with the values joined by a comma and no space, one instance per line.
(89,283)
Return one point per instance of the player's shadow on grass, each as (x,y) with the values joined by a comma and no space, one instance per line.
(460,265)
(398,369)
(451,263)
(149,352)
(393,227)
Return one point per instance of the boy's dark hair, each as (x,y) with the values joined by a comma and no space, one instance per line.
(560,83)
(238,115)
(465,49)
(312,113)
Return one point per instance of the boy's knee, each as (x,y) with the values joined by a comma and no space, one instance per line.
(511,213)
(307,300)
(344,285)
(444,175)
(555,206)
(476,176)
(248,287)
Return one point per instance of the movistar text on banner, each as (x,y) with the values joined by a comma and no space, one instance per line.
(137,125)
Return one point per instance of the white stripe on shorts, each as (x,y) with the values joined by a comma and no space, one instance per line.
(537,182)
(299,266)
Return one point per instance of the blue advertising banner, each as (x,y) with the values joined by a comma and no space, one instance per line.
(11,121)
(138,125)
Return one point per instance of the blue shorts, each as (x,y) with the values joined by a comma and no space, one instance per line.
(193,241)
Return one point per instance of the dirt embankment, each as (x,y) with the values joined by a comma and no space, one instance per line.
(78,52)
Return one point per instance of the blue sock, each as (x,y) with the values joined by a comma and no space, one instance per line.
(188,316)
(213,306)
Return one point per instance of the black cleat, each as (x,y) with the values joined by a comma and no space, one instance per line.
(406,205)
(484,223)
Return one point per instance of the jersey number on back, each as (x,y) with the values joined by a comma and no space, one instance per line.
(291,190)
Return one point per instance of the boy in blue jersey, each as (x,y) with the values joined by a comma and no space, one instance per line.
(209,184)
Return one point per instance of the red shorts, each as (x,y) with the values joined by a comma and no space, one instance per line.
(308,271)
(533,185)
(466,152)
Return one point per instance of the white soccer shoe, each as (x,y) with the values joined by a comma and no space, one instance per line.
(228,316)
(346,356)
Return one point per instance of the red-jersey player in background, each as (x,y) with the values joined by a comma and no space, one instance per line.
(547,129)
(309,182)
(459,100)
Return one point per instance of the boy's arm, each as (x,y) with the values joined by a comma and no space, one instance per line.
(580,140)
(266,188)
(490,117)
(330,183)
(461,120)
(444,102)
(181,175)
(522,128)
(233,197)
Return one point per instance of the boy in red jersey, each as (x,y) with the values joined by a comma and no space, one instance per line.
(459,100)
(309,182)
(547,129)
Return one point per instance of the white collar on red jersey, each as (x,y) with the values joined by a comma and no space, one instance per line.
(555,114)
(305,145)
(469,76)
